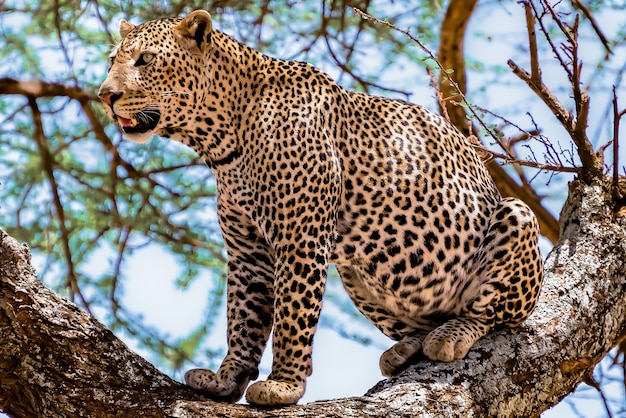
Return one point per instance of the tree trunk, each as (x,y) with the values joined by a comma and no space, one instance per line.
(56,360)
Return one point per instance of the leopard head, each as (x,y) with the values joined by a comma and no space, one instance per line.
(156,74)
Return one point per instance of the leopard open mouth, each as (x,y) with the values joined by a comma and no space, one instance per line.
(142,122)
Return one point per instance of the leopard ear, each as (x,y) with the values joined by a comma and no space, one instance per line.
(125,27)
(194,31)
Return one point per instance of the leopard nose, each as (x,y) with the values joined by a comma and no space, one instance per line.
(109,97)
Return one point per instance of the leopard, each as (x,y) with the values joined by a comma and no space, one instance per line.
(310,174)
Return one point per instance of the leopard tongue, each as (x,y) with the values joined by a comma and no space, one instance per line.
(126,123)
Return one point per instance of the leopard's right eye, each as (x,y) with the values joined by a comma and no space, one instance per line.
(144,59)
(111,61)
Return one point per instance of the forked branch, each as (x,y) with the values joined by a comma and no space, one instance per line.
(575,125)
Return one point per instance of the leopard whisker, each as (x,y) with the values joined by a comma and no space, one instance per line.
(174,93)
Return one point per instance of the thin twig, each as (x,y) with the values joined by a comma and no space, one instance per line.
(617,115)
(527,163)
(126,232)
(535,70)
(594,384)
(594,24)
(452,82)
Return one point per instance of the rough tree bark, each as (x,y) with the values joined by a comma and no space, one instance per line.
(56,360)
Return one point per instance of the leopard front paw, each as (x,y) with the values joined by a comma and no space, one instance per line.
(228,384)
(274,392)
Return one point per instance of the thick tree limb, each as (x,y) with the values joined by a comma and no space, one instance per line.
(38,88)
(56,360)
(452,58)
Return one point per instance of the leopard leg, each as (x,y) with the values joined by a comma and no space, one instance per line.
(250,305)
(299,289)
(503,286)
(409,333)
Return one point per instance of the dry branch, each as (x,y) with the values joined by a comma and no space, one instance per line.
(594,24)
(452,58)
(618,193)
(576,126)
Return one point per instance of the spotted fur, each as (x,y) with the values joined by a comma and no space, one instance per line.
(310,174)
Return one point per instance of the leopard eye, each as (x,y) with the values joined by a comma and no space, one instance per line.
(111,61)
(144,59)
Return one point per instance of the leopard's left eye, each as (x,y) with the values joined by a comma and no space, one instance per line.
(144,59)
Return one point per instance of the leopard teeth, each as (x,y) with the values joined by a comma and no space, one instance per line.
(127,122)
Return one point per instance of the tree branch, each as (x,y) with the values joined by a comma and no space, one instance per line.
(594,24)
(618,193)
(55,359)
(38,88)
(535,70)
(48,163)
(452,60)
(576,127)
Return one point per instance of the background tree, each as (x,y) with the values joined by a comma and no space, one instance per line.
(110,198)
